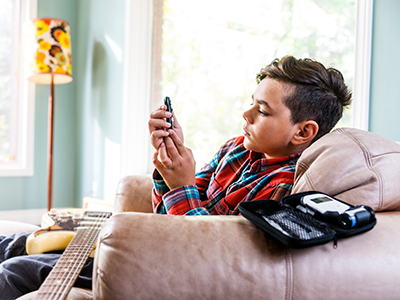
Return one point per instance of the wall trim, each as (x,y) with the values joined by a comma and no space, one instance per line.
(136,87)
(362,74)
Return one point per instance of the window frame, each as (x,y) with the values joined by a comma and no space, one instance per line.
(136,87)
(135,144)
(24,99)
(362,71)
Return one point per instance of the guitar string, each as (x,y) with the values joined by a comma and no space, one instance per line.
(88,236)
(91,236)
(56,286)
(54,275)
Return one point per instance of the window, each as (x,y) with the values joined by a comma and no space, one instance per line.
(16,94)
(205,55)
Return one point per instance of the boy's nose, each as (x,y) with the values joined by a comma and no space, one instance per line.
(247,116)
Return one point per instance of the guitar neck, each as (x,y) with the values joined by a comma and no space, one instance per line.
(64,274)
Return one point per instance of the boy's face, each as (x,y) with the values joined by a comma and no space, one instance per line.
(268,128)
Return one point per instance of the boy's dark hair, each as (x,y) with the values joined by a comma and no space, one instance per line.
(320,93)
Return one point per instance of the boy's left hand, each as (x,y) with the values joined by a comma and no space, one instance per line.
(175,162)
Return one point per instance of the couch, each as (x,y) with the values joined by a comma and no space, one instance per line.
(146,256)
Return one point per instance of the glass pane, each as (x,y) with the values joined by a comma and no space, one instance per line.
(6,105)
(212,50)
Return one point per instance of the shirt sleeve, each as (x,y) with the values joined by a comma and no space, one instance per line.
(188,199)
(185,200)
(160,188)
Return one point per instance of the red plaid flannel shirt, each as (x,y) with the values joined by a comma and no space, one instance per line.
(234,175)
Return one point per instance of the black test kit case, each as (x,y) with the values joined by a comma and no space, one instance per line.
(296,226)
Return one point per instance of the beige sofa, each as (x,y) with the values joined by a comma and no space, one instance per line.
(146,256)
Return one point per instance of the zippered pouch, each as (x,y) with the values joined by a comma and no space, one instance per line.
(285,221)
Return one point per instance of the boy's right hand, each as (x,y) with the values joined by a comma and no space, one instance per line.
(158,126)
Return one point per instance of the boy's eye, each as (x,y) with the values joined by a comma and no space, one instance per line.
(264,114)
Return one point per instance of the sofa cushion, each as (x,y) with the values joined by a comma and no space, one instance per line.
(355,166)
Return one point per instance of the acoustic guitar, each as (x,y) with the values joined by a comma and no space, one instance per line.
(75,232)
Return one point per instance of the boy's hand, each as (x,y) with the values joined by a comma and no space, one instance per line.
(175,162)
(158,126)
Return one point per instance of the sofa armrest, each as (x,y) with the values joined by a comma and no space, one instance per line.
(150,256)
(134,194)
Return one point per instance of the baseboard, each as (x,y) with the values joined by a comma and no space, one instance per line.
(31,216)
(34,216)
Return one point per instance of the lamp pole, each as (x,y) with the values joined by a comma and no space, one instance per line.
(50,146)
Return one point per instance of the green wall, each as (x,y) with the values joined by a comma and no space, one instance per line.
(99,93)
(385,92)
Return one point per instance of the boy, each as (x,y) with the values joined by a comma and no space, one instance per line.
(296,102)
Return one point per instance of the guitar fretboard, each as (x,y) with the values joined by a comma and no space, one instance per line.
(64,274)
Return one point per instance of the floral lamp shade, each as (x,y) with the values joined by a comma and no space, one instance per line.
(51,51)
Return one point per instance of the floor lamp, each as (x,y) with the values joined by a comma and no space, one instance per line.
(51,64)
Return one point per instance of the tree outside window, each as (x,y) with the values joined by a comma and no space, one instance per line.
(7,151)
(16,94)
(208,53)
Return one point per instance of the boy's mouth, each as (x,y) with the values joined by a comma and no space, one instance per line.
(245,133)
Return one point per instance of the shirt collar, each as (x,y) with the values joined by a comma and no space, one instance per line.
(258,159)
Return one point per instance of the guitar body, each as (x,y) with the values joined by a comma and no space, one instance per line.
(76,234)
(58,229)
(48,240)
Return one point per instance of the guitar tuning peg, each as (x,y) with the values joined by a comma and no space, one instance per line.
(53,212)
(63,214)
(77,216)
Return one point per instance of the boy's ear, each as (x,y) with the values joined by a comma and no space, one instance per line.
(306,132)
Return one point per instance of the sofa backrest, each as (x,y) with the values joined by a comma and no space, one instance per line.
(355,166)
